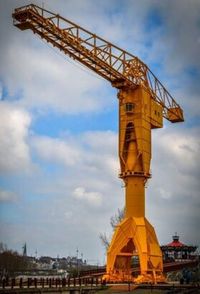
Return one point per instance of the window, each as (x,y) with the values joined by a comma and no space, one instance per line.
(129,107)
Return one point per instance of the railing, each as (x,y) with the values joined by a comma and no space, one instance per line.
(34,283)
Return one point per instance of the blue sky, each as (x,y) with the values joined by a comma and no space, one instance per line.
(59,168)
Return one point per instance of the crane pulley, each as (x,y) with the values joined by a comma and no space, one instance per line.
(143,102)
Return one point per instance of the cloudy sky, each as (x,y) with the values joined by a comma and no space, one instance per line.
(59,169)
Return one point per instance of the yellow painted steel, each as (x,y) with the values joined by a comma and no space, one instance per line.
(143,102)
(135,235)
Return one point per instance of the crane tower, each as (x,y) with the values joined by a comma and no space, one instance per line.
(143,103)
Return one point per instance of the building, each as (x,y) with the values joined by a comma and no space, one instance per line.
(177,250)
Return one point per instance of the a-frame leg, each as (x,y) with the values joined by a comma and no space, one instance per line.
(134,235)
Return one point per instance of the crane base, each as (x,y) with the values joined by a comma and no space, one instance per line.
(140,279)
(134,236)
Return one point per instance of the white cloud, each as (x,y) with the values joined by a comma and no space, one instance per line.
(46,81)
(7,196)
(88,160)
(68,215)
(163,193)
(89,151)
(178,149)
(57,150)
(93,198)
(44,78)
(77,182)
(173,201)
(14,149)
(182,34)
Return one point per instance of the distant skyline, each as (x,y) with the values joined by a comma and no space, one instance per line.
(59,164)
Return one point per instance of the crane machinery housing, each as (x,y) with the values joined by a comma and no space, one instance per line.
(143,103)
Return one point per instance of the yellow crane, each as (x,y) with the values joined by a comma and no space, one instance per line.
(143,103)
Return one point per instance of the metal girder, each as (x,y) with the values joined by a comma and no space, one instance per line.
(120,68)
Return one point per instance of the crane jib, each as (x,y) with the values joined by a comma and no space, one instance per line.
(114,64)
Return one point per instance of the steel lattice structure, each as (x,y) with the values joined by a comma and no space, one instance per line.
(143,102)
(114,64)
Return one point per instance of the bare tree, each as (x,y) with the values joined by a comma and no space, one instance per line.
(117,218)
(104,240)
(11,261)
(3,247)
(114,221)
